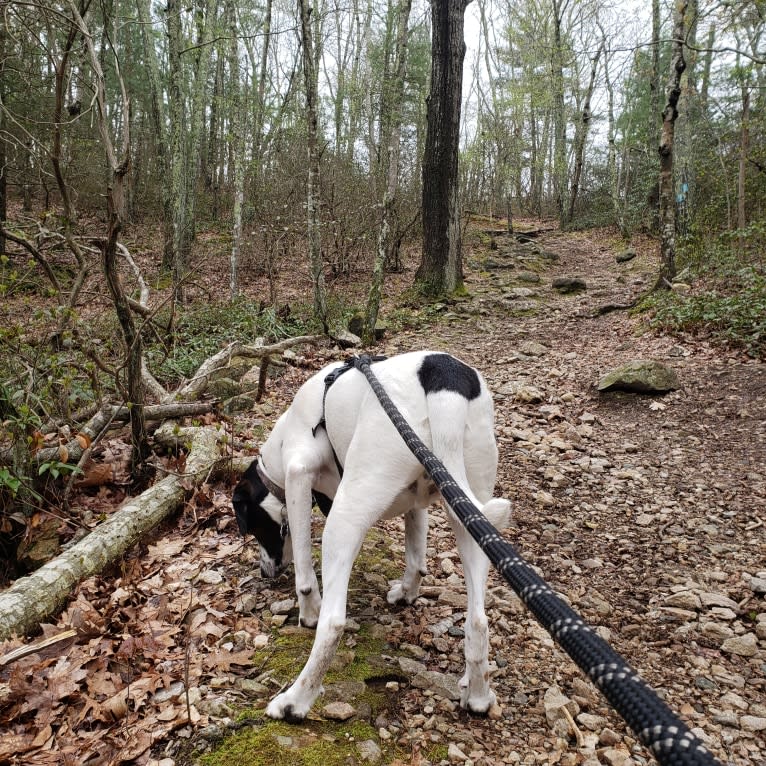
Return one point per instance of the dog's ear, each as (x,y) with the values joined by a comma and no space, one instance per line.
(243,501)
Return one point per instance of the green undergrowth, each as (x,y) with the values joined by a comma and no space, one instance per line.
(727,304)
(203,329)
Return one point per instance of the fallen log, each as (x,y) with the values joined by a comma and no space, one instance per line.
(33,599)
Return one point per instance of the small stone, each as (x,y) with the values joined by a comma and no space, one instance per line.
(455,754)
(211,577)
(613,756)
(609,737)
(752,723)
(439,683)
(717,599)
(338,711)
(743,646)
(369,750)
(758,585)
(625,255)
(282,607)
(591,722)
(533,348)
(684,599)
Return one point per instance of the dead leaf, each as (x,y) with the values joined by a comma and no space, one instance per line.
(63,454)
(83,440)
(224,660)
(96,475)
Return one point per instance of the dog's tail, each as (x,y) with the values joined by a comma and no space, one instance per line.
(462,437)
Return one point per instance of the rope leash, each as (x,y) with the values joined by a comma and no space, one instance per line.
(655,724)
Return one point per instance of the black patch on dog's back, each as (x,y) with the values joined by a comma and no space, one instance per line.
(442,372)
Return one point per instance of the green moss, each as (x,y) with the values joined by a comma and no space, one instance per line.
(274,743)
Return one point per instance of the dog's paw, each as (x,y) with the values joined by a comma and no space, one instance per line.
(308,609)
(399,594)
(283,707)
(477,703)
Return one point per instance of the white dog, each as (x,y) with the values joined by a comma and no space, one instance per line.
(336,442)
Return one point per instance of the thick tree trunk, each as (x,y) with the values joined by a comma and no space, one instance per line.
(313,188)
(441,268)
(394,106)
(666,181)
(31,600)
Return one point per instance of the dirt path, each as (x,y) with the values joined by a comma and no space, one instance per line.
(648,514)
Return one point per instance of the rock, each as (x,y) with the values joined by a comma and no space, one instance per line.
(591,722)
(643,376)
(223,388)
(356,327)
(743,646)
(554,701)
(522,393)
(240,403)
(533,348)
(338,711)
(718,599)
(613,756)
(455,754)
(439,683)
(609,737)
(684,599)
(752,723)
(282,607)
(568,285)
(411,667)
(369,750)
(625,255)
(346,339)
(529,277)
(758,585)
(519,292)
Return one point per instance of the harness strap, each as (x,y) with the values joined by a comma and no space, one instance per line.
(330,378)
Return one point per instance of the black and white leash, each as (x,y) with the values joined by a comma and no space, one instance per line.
(648,716)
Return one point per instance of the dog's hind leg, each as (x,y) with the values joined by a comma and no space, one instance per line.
(475,692)
(415,538)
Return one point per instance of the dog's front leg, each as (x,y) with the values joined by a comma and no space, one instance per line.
(298,496)
(340,545)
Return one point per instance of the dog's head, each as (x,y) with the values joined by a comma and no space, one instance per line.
(259,513)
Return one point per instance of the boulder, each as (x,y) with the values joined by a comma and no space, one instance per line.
(642,376)
(626,255)
(567,285)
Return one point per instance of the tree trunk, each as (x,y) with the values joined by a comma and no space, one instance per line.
(441,269)
(3,152)
(31,600)
(581,136)
(666,182)
(396,91)
(238,140)
(655,118)
(159,122)
(744,146)
(313,189)
(559,115)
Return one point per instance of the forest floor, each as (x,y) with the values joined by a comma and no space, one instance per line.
(648,513)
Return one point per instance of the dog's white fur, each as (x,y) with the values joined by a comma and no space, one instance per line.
(381,479)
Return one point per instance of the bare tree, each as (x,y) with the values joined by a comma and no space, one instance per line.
(666,180)
(441,269)
(313,188)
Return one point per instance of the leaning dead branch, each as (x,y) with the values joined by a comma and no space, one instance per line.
(32,599)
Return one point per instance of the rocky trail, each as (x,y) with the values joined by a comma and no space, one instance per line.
(648,513)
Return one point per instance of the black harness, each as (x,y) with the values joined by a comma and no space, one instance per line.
(330,378)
